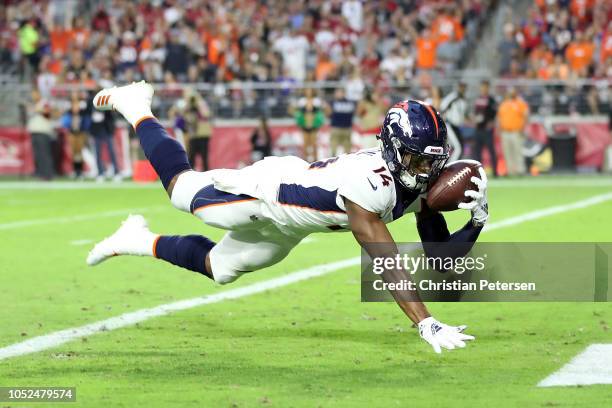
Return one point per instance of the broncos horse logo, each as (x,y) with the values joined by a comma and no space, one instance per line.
(398,115)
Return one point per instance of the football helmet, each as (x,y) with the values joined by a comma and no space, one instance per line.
(414,143)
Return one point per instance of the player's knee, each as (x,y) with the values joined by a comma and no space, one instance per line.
(171,185)
(224,274)
(184,187)
(226,263)
(225,277)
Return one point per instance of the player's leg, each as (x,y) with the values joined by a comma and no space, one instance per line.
(76,144)
(237,253)
(216,208)
(520,157)
(515,154)
(454,143)
(165,154)
(195,192)
(479,137)
(315,146)
(110,146)
(507,150)
(187,251)
(310,145)
(333,141)
(241,252)
(204,142)
(192,151)
(490,143)
(135,238)
(346,140)
(306,137)
(460,140)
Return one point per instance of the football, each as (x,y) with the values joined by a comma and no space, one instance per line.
(448,189)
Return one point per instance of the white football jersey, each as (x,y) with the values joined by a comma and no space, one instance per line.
(309,196)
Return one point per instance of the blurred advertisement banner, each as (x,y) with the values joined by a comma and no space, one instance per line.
(230,145)
(15,151)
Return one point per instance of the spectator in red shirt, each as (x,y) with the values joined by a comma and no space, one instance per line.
(370,61)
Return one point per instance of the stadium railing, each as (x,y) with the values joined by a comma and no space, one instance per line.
(241,99)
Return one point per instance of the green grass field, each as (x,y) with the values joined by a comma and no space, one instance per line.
(306,345)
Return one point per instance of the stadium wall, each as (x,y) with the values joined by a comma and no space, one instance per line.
(230,146)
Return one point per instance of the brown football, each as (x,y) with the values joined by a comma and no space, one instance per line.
(448,189)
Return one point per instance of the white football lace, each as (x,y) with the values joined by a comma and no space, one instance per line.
(464,172)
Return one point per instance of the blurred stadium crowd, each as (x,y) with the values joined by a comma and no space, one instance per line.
(276,59)
(222,41)
(560,40)
(235,46)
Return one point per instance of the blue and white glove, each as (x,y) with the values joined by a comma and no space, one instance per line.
(478,205)
(440,335)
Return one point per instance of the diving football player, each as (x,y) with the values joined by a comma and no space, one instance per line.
(269,207)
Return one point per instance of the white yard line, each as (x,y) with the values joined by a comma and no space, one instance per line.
(74,218)
(79,242)
(592,366)
(545,212)
(39,343)
(72,185)
(591,181)
(54,339)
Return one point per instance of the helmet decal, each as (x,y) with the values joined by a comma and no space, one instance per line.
(434,150)
(399,116)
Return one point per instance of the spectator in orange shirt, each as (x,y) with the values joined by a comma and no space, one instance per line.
(60,38)
(541,53)
(447,27)
(512,118)
(426,46)
(214,44)
(56,63)
(579,53)
(325,69)
(80,33)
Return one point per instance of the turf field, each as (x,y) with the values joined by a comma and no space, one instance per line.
(311,343)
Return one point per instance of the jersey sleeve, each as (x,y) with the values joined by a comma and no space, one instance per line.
(368,190)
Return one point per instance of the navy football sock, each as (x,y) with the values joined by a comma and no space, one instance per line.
(166,155)
(187,251)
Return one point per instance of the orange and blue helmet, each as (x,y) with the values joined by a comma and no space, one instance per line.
(414,143)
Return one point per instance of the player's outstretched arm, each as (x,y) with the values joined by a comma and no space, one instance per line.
(374,237)
(372,234)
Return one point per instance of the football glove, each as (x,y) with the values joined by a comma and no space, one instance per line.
(478,205)
(440,335)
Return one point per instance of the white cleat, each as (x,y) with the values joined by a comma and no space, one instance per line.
(132,238)
(132,101)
